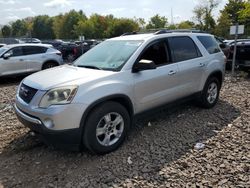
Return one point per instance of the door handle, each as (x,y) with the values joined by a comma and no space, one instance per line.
(172,72)
(20,59)
(202,64)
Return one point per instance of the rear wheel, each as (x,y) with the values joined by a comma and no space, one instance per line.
(210,93)
(106,127)
(49,65)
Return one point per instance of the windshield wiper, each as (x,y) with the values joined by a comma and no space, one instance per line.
(89,67)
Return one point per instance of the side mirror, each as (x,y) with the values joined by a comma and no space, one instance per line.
(144,64)
(222,45)
(6,56)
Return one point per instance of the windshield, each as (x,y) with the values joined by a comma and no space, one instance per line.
(108,55)
(2,50)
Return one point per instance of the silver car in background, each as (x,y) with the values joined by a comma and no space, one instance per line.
(27,58)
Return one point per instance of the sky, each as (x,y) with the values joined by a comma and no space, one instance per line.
(11,10)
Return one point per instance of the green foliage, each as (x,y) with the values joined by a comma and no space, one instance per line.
(98,26)
(233,8)
(69,21)
(157,22)
(203,14)
(43,27)
(186,25)
(122,26)
(63,25)
(223,26)
(19,28)
(141,22)
(234,11)
(6,31)
(75,23)
(244,14)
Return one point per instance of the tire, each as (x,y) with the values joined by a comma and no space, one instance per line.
(49,65)
(110,135)
(210,93)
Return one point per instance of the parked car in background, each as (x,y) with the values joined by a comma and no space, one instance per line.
(93,102)
(71,51)
(27,58)
(1,45)
(30,40)
(10,41)
(55,43)
(242,55)
(224,46)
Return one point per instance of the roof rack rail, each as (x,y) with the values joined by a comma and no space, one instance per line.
(179,30)
(163,31)
(130,33)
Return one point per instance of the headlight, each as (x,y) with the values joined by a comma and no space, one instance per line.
(61,95)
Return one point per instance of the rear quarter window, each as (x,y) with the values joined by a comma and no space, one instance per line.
(209,43)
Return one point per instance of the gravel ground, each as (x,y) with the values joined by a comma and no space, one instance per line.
(159,151)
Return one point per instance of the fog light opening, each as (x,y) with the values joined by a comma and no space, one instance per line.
(48,123)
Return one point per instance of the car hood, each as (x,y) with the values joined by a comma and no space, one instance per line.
(62,76)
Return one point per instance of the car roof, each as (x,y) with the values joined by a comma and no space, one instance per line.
(28,44)
(158,35)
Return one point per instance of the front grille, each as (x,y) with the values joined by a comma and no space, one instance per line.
(27,93)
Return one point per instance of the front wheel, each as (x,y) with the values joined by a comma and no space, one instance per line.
(210,93)
(106,127)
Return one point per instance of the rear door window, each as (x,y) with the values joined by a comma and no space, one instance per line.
(209,43)
(183,48)
(30,50)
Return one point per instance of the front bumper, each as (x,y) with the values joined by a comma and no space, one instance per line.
(63,139)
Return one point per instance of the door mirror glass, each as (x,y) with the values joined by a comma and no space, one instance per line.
(6,56)
(144,64)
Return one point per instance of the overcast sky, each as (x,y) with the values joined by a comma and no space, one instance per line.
(11,10)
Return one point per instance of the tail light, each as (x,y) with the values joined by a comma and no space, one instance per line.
(59,53)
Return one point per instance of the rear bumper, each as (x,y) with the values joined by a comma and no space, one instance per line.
(69,139)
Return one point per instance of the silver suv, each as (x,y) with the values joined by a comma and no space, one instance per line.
(92,103)
(26,58)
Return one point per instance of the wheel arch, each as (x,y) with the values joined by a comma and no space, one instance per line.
(124,100)
(50,61)
(217,74)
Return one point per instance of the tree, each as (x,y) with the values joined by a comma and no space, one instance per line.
(6,31)
(68,23)
(244,14)
(233,8)
(233,12)
(57,25)
(19,28)
(43,27)
(95,27)
(157,22)
(85,28)
(224,23)
(124,25)
(141,22)
(186,25)
(203,14)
